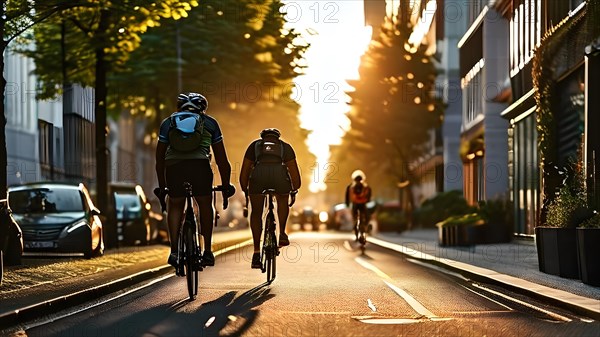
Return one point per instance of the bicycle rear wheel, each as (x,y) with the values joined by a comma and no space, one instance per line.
(272,258)
(191,272)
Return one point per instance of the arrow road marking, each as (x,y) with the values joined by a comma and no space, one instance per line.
(416,305)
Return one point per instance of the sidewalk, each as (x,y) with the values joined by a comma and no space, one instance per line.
(512,265)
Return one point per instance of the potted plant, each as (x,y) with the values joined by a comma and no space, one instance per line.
(588,249)
(556,241)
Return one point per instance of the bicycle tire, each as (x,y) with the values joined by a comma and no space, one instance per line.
(191,273)
(272,258)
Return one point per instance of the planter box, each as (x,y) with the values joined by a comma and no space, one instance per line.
(557,251)
(456,235)
(588,247)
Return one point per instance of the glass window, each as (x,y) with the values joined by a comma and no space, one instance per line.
(45,200)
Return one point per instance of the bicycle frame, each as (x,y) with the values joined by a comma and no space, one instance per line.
(361,229)
(189,261)
(188,252)
(270,249)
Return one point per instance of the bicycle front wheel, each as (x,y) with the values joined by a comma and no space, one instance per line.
(191,272)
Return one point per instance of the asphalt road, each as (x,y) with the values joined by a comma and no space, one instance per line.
(324,287)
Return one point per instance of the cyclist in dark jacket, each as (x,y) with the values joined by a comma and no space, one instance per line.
(269,163)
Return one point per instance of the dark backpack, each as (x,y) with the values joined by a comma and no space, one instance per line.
(268,152)
(184,137)
(269,169)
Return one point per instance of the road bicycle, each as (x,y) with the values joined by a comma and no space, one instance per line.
(363,228)
(189,259)
(270,247)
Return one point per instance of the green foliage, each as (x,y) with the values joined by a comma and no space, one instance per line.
(83,27)
(442,206)
(469,219)
(592,222)
(393,107)
(389,217)
(497,211)
(235,52)
(545,76)
(569,206)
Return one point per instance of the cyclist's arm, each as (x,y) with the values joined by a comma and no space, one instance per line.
(245,174)
(294,171)
(222,162)
(161,150)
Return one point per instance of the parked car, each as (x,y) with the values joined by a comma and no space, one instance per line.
(341,218)
(130,218)
(57,217)
(309,216)
(11,238)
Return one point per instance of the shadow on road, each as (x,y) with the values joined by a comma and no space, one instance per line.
(228,315)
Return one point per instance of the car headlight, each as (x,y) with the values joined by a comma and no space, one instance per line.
(76,225)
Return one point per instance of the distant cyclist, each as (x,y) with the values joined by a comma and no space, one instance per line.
(183,155)
(358,194)
(269,163)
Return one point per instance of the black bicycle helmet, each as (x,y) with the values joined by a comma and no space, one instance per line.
(270,131)
(192,101)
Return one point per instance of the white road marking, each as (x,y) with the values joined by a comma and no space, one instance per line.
(529,305)
(440,269)
(210,321)
(416,305)
(490,299)
(371,305)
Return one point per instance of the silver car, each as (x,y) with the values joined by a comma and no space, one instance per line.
(57,217)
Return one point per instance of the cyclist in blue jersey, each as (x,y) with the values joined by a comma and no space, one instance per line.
(183,154)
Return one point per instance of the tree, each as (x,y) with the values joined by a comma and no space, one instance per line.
(103,33)
(238,54)
(235,52)
(393,106)
(16,17)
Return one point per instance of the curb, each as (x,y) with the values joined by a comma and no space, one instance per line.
(18,316)
(575,303)
(37,310)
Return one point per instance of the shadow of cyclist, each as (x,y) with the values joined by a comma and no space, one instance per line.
(228,315)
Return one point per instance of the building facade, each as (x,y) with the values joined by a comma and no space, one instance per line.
(484,76)
(530,21)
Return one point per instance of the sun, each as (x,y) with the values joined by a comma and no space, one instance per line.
(337,37)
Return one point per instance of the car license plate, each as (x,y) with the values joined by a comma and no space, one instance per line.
(39,244)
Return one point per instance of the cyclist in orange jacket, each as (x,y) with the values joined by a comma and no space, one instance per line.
(358,193)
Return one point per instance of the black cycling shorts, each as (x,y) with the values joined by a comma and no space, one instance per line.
(195,171)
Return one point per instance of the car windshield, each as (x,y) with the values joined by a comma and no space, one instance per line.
(45,200)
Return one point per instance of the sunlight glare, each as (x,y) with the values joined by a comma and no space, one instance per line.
(338,38)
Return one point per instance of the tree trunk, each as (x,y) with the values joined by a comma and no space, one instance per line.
(3,152)
(407,175)
(100,114)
